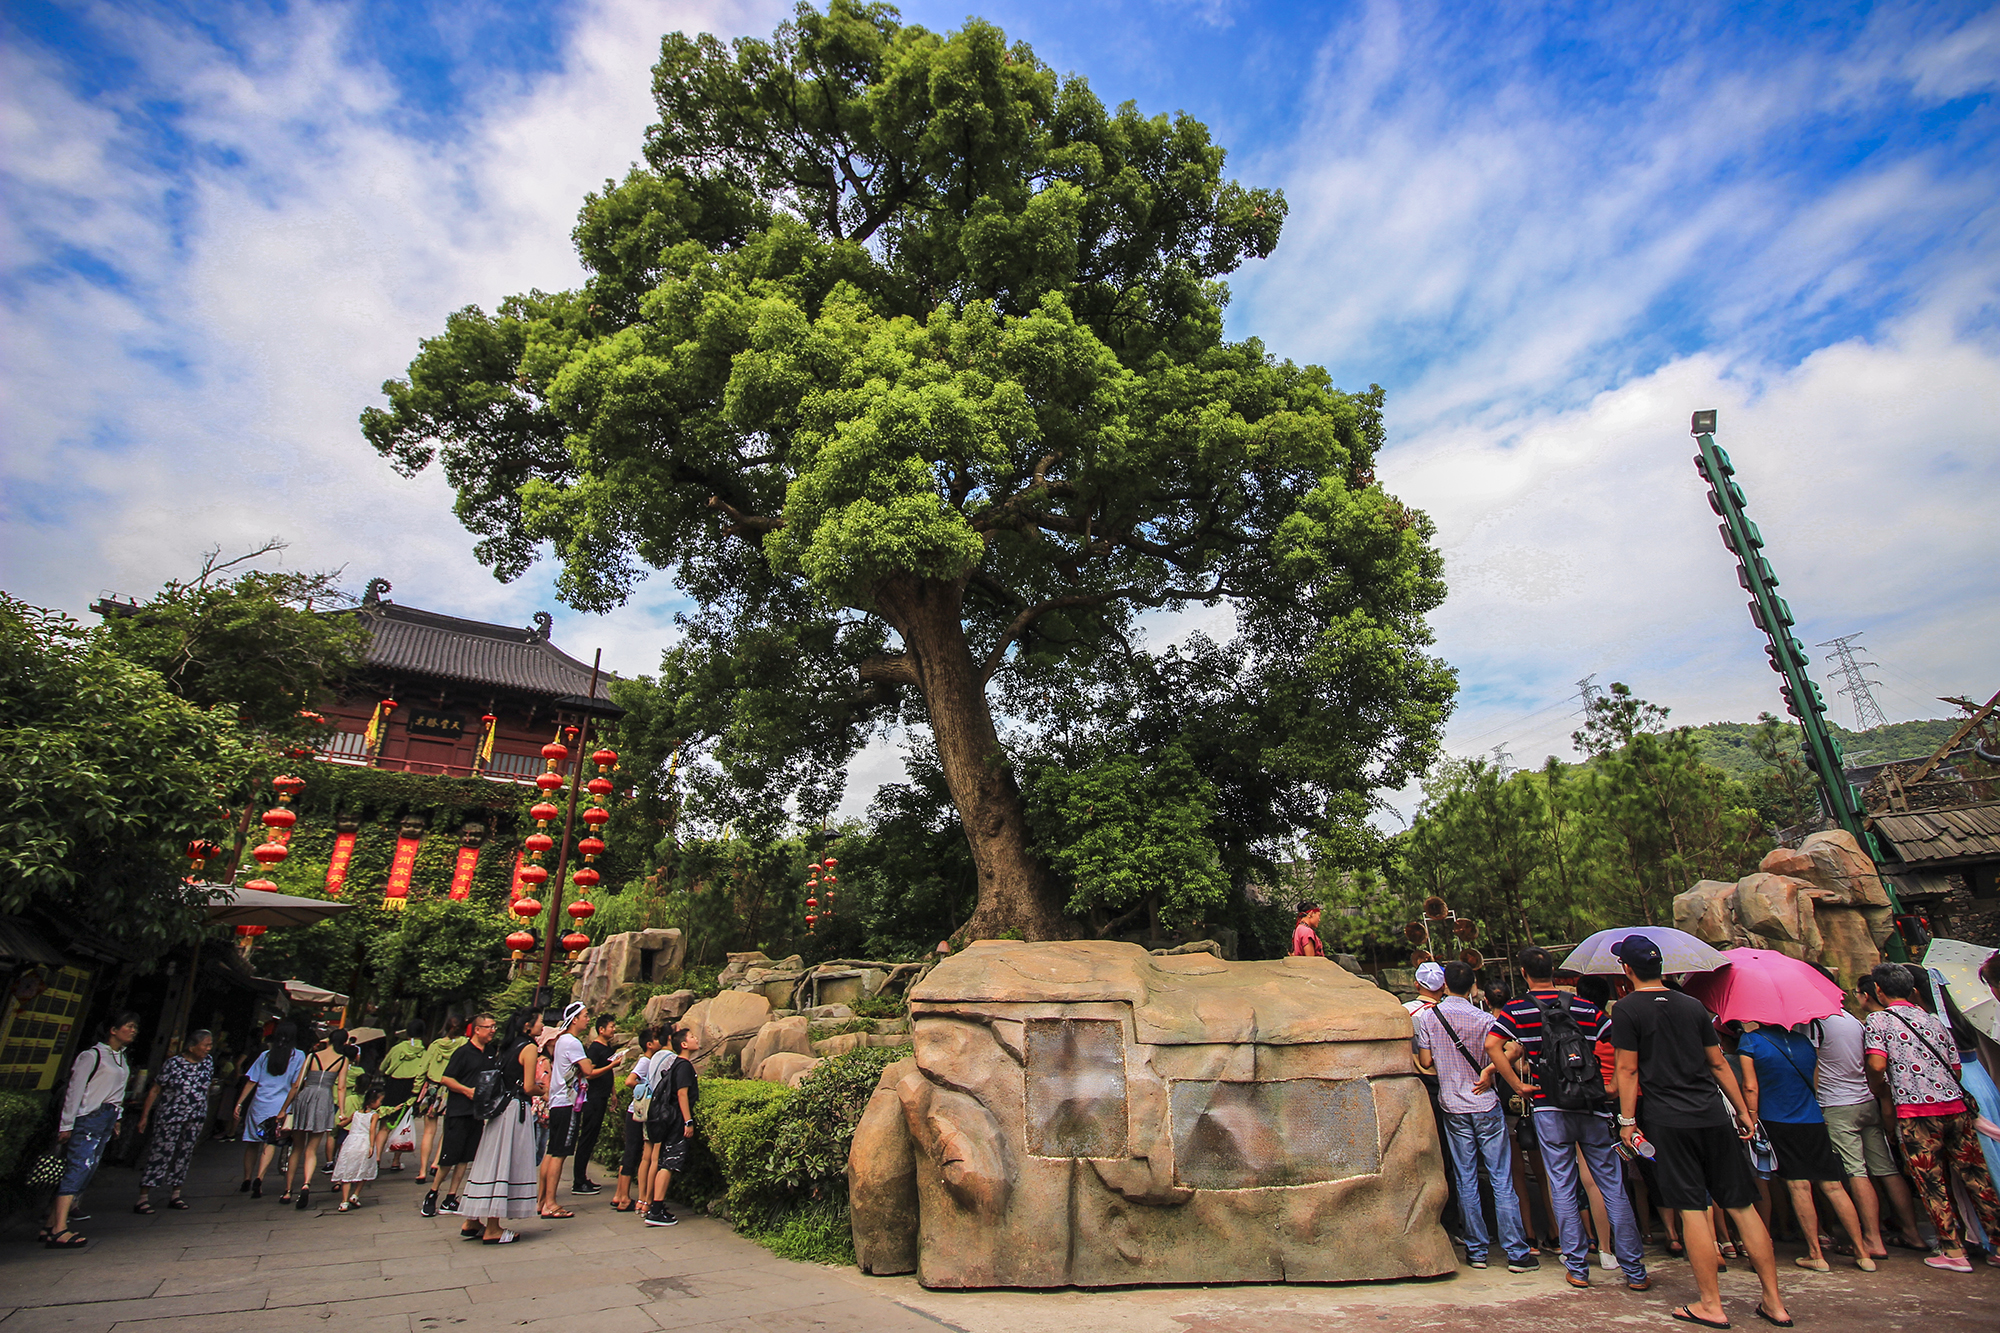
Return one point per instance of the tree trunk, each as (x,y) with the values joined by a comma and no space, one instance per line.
(1016,896)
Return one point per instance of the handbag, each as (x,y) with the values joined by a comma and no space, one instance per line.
(403,1138)
(45,1171)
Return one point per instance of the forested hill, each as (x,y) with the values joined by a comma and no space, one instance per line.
(1730,746)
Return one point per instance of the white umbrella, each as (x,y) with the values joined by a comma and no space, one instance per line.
(304,992)
(1679,951)
(256,907)
(1958,963)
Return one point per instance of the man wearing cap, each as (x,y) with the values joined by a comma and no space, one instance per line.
(565,1092)
(1563,1132)
(1451,1043)
(1666,1044)
(1430,989)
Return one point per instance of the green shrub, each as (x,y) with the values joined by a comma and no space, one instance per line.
(735,1121)
(881,1006)
(816,1232)
(22,1117)
(821,1031)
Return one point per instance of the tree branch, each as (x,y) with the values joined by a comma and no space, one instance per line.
(742,524)
(896,669)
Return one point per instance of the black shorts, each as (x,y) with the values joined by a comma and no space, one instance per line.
(1805,1152)
(461,1139)
(673,1154)
(396,1091)
(562,1131)
(635,1147)
(1697,1166)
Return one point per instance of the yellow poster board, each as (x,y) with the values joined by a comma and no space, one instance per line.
(43,1006)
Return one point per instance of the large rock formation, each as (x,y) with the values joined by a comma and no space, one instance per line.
(724,1024)
(615,969)
(1821,901)
(1086,1114)
(780,1034)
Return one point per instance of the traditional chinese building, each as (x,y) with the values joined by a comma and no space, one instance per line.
(443,695)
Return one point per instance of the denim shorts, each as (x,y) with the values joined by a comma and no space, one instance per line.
(88,1138)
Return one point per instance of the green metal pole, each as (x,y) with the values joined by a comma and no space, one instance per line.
(1772,615)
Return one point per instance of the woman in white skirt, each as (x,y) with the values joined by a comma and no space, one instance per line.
(502,1182)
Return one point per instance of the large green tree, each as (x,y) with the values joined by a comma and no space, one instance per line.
(905,357)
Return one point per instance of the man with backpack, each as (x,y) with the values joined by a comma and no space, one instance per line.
(1571,1111)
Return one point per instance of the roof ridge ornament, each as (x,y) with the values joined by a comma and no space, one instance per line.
(372,596)
(543,624)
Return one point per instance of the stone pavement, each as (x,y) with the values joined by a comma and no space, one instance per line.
(232,1264)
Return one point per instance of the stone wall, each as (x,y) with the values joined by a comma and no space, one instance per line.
(1087,1114)
(1821,901)
(613,971)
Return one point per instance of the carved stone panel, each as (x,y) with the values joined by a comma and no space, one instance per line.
(1237,1136)
(1076,1088)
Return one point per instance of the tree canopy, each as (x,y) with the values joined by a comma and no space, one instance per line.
(905,357)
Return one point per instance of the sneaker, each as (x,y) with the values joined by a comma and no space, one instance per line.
(1610,1260)
(660,1217)
(1527,1263)
(430,1205)
(586,1187)
(1949,1264)
(450,1204)
(1475,1263)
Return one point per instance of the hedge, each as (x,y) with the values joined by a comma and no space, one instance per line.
(773,1159)
(23,1117)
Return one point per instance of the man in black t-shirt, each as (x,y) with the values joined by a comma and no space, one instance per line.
(1672,1080)
(461,1127)
(595,1067)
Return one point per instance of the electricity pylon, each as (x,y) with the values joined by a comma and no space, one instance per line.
(1867,713)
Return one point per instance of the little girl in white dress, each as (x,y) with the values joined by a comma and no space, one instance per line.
(358,1154)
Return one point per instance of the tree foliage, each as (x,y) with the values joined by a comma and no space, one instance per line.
(105,777)
(905,357)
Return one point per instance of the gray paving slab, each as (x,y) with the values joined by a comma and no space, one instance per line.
(231,1264)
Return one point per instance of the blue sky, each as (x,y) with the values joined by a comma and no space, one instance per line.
(1549,231)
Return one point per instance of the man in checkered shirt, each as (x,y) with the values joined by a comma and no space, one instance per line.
(1451,1042)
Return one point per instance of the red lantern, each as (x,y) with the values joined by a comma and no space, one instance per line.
(549,781)
(389,705)
(605,758)
(543,813)
(262,886)
(555,752)
(598,786)
(596,817)
(831,863)
(520,942)
(488,719)
(201,851)
(810,918)
(535,875)
(288,786)
(576,942)
(249,932)
(527,908)
(270,853)
(831,878)
(280,817)
(539,843)
(591,847)
(815,867)
(812,903)
(581,910)
(586,878)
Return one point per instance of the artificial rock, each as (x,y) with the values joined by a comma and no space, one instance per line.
(1087,1114)
(786,1067)
(614,969)
(780,1034)
(724,1024)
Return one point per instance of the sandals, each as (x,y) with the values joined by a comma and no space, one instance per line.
(560,1212)
(1767,1318)
(630,1205)
(1687,1315)
(1806,1261)
(504,1238)
(65,1240)
(178,1203)
(305,1199)
(257,1188)
(1676,1250)
(343,1207)
(144,1209)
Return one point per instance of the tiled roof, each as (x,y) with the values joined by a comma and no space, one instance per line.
(1948,833)
(425,643)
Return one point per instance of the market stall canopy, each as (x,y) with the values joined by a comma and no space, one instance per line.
(304,992)
(362,1036)
(256,907)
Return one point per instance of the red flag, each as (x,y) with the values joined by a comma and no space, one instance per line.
(336,865)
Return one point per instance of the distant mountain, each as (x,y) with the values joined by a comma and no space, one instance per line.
(1729,745)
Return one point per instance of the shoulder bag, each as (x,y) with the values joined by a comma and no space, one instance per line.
(1964,1093)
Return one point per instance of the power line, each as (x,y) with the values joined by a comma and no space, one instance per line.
(1503,761)
(1867,713)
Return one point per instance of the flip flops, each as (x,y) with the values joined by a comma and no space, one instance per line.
(560,1212)
(1765,1315)
(504,1238)
(1687,1315)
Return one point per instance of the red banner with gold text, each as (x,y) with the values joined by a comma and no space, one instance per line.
(397,895)
(461,874)
(336,865)
(517,888)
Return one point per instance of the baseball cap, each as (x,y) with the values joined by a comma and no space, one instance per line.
(1430,976)
(1636,949)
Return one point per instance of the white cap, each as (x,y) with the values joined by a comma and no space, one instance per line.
(1430,976)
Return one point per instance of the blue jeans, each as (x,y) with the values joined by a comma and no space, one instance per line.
(1562,1134)
(88,1138)
(1470,1137)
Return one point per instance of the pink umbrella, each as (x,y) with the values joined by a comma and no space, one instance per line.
(1763,986)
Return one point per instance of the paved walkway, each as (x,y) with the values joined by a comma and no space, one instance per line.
(234,1265)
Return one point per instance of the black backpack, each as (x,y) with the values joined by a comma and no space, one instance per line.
(1572,1078)
(492,1092)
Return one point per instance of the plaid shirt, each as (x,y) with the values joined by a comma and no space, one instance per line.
(1455,1076)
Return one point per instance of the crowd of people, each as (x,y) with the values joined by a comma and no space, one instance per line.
(493,1117)
(1589,1102)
